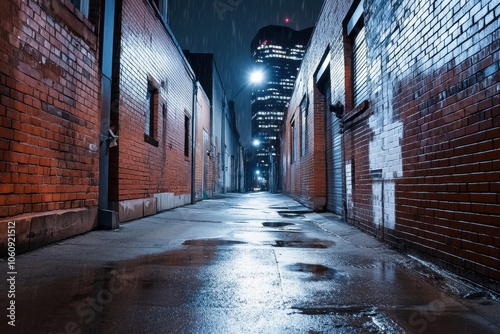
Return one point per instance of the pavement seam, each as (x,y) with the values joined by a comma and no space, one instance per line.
(280,280)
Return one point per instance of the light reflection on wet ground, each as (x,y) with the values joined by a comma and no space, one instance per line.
(257,272)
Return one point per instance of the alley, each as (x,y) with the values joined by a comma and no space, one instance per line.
(243,263)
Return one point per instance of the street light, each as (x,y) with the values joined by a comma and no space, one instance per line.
(256,77)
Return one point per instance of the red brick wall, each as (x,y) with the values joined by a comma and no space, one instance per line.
(423,150)
(444,93)
(304,178)
(448,202)
(49,108)
(359,211)
(147,49)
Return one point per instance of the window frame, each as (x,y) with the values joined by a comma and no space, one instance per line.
(354,25)
(359,79)
(187,133)
(83,6)
(304,111)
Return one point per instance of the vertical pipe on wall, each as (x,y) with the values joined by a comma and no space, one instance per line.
(193,142)
(106,218)
(223,144)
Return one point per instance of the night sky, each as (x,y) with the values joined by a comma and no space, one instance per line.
(226,28)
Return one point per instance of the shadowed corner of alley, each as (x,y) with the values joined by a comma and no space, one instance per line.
(241,263)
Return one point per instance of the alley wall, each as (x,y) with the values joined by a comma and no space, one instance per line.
(412,89)
(173,140)
(49,121)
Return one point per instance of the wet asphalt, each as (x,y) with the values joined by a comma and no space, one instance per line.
(242,263)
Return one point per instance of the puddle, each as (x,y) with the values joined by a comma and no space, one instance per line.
(291,215)
(276,224)
(320,271)
(211,242)
(356,319)
(307,243)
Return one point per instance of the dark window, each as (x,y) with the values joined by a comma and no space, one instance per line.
(304,130)
(152,110)
(186,136)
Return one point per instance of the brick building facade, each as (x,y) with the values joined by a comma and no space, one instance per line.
(153,86)
(68,76)
(224,146)
(49,121)
(204,164)
(413,157)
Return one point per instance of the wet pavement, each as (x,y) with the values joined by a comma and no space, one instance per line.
(243,263)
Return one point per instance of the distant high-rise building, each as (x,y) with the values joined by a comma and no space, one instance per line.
(279,51)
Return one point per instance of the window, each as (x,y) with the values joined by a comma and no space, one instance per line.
(357,36)
(82,5)
(359,68)
(151,114)
(186,135)
(152,110)
(303,113)
(162,8)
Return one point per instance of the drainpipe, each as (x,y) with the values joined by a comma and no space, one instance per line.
(223,144)
(193,142)
(107,219)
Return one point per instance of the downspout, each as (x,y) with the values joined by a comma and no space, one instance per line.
(193,142)
(223,144)
(107,219)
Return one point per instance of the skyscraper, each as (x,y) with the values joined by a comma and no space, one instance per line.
(278,50)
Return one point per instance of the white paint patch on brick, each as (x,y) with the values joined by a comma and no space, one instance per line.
(377,203)
(348,184)
(385,156)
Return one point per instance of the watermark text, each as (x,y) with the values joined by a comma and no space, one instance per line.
(11,273)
